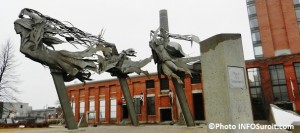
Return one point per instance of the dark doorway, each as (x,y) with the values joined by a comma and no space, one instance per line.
(165,115)
(125,112)
(198,106)
(258,108)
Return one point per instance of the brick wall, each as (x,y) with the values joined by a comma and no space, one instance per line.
(111,89)
(278,26)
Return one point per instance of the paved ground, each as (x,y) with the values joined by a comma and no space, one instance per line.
(127,129)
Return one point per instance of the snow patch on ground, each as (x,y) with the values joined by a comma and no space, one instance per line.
(283,117)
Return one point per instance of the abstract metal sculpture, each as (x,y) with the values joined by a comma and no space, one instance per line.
(119,63)
(168,57)
(39,33)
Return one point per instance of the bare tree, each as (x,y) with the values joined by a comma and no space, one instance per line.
(8,76)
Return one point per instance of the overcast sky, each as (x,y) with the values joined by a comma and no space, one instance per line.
(127,23)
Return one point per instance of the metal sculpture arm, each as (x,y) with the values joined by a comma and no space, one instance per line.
(168,54)
(192,38)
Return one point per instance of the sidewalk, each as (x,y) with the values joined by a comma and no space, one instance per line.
(127,129)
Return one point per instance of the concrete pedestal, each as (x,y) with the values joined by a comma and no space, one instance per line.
(226,91)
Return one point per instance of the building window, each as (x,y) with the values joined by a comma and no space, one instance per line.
(164,83)
(92,109)
(253,23)
(150,84)
(297,70)
(251,9)
(296,2)
(150,105)
(73,106)
(278,82)
(81,108)
(196,78)
(102,109)
(298,13)
(137,104)
(298,16)
(255,36)
(113,108)
(254,83)
(256,94)
(258,51)
(92,105)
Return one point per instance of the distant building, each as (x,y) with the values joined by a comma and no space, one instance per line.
(154,101)
(274,74)
(9,110)
(49,113)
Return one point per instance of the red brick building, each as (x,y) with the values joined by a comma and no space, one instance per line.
(274,80)
(154,100)
(274,27)
(274,74)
